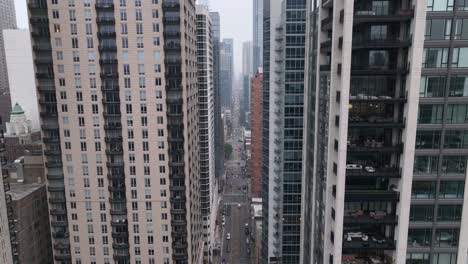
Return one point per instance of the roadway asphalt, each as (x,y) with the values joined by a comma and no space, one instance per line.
(234,250)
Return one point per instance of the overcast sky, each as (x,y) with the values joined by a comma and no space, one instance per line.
(236,22)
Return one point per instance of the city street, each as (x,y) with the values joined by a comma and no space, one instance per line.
(236,193)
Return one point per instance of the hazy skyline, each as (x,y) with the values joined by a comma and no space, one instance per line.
(236,23)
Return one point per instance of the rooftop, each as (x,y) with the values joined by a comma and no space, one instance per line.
(18,191)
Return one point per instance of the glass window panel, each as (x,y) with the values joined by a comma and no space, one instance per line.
(419,237)
(423,190)
(451,189)
(446,237)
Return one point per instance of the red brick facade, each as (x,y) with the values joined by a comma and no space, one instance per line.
(257,106)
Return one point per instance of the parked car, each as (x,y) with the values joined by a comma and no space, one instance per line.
(353,167)
(239,205)
(369,169)
(228,237)
(350,236)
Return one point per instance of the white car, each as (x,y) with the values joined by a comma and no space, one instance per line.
(228,237)
(238,205)
(369,169)
(356,235)
(353,167)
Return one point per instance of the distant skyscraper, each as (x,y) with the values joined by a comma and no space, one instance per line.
(206,128)
(257,44)
(285,106)
(219,131)
(226,71)
(247,73)
(117,85)
(7,21)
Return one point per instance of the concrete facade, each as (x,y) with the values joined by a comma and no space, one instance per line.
(117,89)
(226,71)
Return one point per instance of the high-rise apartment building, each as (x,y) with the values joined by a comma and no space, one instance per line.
(219,131)
(206,125)
(257,43)
(285,106)
(7,21)
(226,71)
(364,70)
(118,96)
(247,73)
(7,252)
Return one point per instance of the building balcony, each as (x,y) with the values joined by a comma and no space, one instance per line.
(63,257)
(171,34)
(47,114)
(105,5)
(365,69)
(50,140)
(375,217)
(385,42)
(109,75)
(54,164)
(116,188)
(107,48)
(50,126)
(42,47)
(36,5)
(56,188)
(108,114)
(376,171)
(327,23)
(178,211)
(58,223)
(119,223)
(105,20)
(40,34)
(373,121)
(108,61)
(375,147)
(177,188)
(106,34)
(55,177)
(119,234)
(171,5)
(115,126)
(57,200)
(113,87)
(60,234)
(382,15)
(372,195)
(117,139)
(44,75)
(115,176)
(114,152)
(58,212)
(115,164)
(46,88)
(356,244)
(122,211)
(376,98)
(179,245)
(179,222)
(120,246)
(174,20)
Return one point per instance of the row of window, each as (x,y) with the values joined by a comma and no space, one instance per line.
(437,258)
(446,5)
(441,29)
(438,58)
(457,139)
(433,114)
(445,213)
(447,190)
(435,86)
(422,237)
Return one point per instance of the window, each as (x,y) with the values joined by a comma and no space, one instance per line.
(461,29)
(432,86)
(421,213)
(437,29)
(419,237)
(451,189)
(123,29)
(460,58)
(428,139)
(449,213)
(439,5)
(430,114)
(423,190)
(446,237)
(435,58)
(458,86)
(456,139)
(457,114)
(139,28)
(444,258)
(417,258)
(454,164)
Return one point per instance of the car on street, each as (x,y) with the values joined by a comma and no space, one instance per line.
(228,237)
(238,205)
(369,169)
